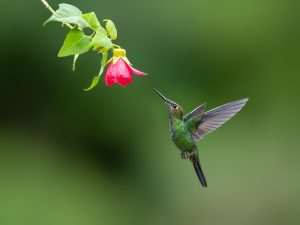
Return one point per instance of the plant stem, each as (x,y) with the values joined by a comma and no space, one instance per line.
(118,46)
(47,6)
(45,3)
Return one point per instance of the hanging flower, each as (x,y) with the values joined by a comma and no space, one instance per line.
(120,70)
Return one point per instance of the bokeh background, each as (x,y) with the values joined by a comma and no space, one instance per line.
(69,157)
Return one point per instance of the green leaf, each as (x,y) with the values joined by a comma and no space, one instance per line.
(103,62)
(97,78)
(74,61)
(68,14)
(100,40)
(93,84)
(111,29)
(75,43)
(92,20)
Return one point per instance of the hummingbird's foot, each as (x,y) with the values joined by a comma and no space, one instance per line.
(184,155)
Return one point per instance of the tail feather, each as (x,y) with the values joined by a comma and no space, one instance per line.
(198,170)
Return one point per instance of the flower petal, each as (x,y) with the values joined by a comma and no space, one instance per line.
(119,71)
(137,72)
(124,73)
(124,79)
(110,77)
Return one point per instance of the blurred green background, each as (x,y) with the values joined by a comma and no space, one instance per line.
(68,157)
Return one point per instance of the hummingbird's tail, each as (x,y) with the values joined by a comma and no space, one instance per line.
(196,163)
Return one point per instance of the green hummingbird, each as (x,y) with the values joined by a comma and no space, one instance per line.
(186,130)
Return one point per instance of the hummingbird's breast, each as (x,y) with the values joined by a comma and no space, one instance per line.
(181,136)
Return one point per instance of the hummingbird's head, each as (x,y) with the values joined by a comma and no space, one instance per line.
(175,110)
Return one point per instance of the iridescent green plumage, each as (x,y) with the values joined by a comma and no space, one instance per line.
(186,130)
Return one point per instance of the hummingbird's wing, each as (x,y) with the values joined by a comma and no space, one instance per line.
(196,112)
(213,119)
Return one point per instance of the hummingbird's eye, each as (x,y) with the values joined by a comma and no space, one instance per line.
(174,106)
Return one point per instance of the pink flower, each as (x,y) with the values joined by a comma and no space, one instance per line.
(120,70)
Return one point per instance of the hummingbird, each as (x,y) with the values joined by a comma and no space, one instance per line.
(186,130)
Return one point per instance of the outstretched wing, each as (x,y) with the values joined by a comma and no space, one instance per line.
(213,119)
(196,112)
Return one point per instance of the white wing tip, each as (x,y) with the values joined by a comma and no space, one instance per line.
(243,100)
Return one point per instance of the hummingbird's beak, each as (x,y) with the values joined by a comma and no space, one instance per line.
(163,97)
